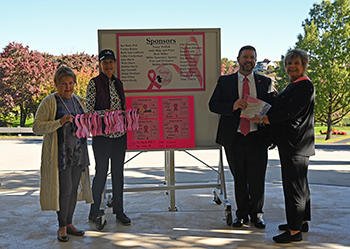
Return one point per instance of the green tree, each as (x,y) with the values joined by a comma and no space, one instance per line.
(326,39)
(84,75)
(228,66)
(24,75)
(85,67)
(281,76)
(79,61)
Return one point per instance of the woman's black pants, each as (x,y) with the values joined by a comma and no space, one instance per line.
(296,189)
(69,179)
(108,150)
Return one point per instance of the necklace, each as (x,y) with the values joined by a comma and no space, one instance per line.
(75,109)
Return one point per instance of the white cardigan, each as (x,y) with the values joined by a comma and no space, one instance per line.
(45,124)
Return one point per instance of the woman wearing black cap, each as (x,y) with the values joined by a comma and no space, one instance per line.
(105,92)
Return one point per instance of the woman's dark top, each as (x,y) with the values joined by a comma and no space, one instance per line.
(292,118)
(72,151)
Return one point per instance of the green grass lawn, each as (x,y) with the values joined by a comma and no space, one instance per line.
(319,138)
(29,122)
(324,128)
(322,138)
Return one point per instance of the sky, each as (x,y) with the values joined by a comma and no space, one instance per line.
(66,27)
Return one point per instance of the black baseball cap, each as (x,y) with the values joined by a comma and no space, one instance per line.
(106,54)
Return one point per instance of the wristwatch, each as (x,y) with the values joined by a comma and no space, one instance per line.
(261,121)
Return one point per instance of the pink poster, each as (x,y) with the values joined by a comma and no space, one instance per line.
(168,124)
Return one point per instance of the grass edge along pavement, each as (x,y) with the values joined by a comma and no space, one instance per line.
(335,138)
(319,138)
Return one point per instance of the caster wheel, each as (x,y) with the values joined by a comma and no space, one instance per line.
(110,201)
(101,222)
(217,199)
(229,219)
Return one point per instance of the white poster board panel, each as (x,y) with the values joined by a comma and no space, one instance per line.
(207,62)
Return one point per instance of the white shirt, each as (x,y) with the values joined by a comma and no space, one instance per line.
(252,92)
(251,82)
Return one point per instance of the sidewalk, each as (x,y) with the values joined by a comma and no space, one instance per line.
(198,223)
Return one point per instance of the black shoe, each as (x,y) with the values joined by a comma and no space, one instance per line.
(304,227)
(238,222)
(75,233)
(62,238)
(122,218)
(286,237)
(259,223)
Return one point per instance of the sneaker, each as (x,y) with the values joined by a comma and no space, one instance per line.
(239,222)
(122,218)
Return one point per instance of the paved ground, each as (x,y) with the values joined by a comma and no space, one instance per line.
(198,223)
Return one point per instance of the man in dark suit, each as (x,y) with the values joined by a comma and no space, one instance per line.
(245,143)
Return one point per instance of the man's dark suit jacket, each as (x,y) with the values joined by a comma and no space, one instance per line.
(222,100)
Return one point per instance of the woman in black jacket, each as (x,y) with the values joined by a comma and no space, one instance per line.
(292,127)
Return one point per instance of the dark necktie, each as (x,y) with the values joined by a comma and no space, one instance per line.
(245,123)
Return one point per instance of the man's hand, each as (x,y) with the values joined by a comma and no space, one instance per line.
(272,146)
(240,103)
(141,111)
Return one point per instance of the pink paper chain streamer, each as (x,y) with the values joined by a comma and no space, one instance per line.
(106,120)
(115,121)
(95,116)
(119,122)
(79,127)
(84,132)
(128,118)
(135,116)
(89,119)
(99,126)
(111,122)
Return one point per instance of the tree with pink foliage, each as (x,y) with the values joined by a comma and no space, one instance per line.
(25,77)
(228,66)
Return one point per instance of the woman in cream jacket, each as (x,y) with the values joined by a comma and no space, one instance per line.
(55,120)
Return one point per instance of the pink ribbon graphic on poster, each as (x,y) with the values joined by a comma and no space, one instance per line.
(164,75)
(163,127)
(150,62)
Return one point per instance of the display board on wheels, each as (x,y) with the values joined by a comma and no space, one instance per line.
(173,73)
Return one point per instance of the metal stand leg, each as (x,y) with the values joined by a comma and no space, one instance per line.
(220,195)
(170,178)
